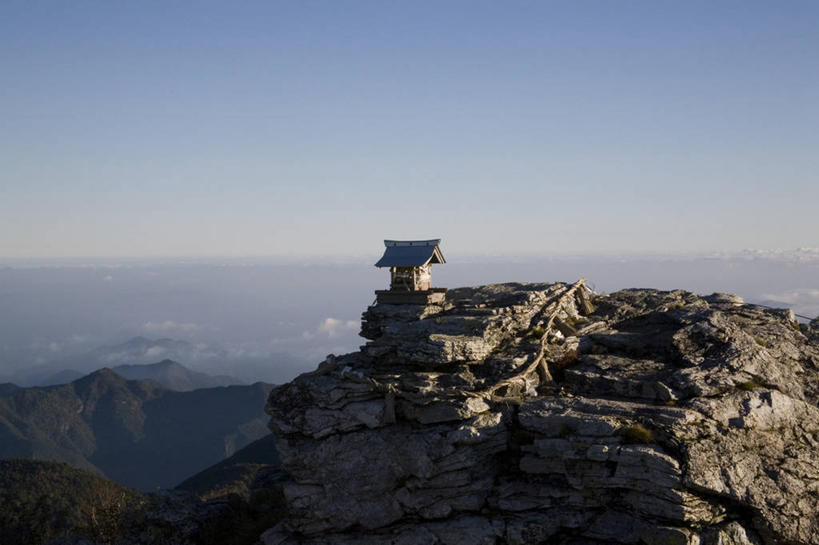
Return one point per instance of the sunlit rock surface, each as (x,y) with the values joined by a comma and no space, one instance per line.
(544,413)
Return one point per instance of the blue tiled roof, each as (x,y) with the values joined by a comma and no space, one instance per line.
(410,254)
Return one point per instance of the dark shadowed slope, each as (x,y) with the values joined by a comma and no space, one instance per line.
(40,501)
(134,432)
(252,467)
(7,388)
(53,503)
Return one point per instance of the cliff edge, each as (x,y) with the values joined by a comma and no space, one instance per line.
(545,413)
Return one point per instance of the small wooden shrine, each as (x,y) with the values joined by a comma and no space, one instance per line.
(410,262)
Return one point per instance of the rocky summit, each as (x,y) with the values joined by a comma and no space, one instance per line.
(548,414)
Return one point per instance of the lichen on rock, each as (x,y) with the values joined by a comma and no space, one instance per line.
(545,413)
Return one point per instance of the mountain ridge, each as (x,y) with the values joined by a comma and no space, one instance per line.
(135,351)
(169,373)
(174,376)
(133,431)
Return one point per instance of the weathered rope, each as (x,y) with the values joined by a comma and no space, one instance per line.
(391,392)
(540,359)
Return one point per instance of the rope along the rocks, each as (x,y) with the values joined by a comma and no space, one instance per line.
(391,392)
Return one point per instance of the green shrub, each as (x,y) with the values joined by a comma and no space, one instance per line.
(637,434)
(573,321)
(749,385)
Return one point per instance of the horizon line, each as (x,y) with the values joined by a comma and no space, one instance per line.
(318,258)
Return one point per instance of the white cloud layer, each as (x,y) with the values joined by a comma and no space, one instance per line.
(804,301)
(155,352)
(793,297)
(332,328)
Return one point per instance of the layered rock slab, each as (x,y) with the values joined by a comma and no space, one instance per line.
(544,413)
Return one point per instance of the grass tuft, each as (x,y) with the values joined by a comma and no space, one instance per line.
(749,386)
(537,332)
(637,434)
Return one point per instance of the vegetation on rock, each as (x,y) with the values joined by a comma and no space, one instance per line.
(637,434)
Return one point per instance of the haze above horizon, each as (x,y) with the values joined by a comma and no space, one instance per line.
(320,128)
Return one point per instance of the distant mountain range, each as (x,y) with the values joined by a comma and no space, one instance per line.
(141,350)
(136,432)
(174,376)
(133,358)
(168,373)
(215,365)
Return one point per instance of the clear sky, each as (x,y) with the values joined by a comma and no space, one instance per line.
(308,128)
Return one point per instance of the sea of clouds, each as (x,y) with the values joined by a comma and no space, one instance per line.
(270,319)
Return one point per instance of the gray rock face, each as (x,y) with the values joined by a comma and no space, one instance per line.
(543,413)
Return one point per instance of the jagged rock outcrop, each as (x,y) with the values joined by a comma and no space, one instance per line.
(544,413)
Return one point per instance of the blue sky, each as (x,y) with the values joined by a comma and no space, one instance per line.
(319,128)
